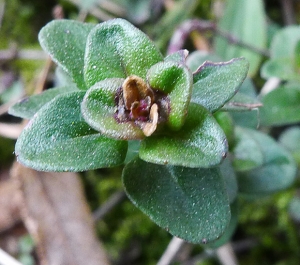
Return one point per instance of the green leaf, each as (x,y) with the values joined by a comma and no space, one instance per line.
(216,83)
(281,106)
(229,176)
(138,11)
(282,68)
(200,142)
(284,43)
(116,49)
(178,56)
(226,237)
(277,172)
(189,203)
(294,208)
(241,115)
(133,150)
(98,109)
(171,19)
(247,153)
(290,139)
(11,93)
(248,88)
(227,124)
(174,80)
(27,107)
(238,20)
(297,56)
(197,58)
(241,102)
(58,139)
(248,119)
(284,55)
(65,41)
(62,78)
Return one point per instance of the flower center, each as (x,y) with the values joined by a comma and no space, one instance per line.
(136,102)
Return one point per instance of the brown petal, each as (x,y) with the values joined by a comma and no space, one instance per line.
(151,126)
(135,89)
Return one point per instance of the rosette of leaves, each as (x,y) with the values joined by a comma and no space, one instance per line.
(122,102)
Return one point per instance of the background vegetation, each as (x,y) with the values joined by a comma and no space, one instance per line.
(268,228)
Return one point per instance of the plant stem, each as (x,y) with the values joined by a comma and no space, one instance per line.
(271,84)
(114,200)
(173,248)
(226,255)
(288,12)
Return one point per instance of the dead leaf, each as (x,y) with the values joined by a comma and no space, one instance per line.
(58,218)
(9,204)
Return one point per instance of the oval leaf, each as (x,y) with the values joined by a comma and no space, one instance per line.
(216,83)
(277,172)
(175,80)
(178,57)
(285,41)
(99,107)
(290,139)
(65,41)
(200,143)
(27,107)
(189,203)
(58,139)
(281,106)
(197,58)
(226,237)
(282,68)
(247,152)
(116,49)
(229,176)
(238,20)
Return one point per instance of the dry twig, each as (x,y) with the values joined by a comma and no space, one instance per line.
(182,33)
(172,250)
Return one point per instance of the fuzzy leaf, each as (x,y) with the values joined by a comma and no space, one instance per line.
(116,49)
(189,203)
(175,80)
(277,172)
(65,41)
(216,83)
(197,58)
(234,210)
(98,109)
(200,142)
(179,56)
(27,107)
(58,139)
(241,102)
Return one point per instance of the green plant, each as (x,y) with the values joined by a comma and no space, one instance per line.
(124,103)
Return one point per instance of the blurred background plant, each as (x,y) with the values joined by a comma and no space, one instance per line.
(265,32)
